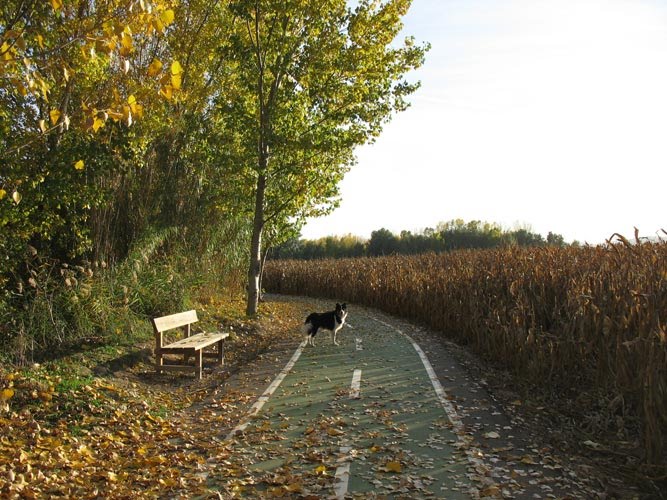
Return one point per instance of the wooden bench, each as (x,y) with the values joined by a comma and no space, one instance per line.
(189,345)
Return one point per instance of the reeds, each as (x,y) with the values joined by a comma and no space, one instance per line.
(590,317)
(63,306)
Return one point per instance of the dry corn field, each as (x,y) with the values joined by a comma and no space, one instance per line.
(588,319)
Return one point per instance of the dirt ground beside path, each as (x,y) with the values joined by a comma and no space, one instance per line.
(540,435)
(88,428)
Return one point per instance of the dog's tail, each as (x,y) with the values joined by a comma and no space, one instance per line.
(307,328)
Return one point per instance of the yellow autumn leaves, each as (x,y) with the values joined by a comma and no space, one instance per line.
(107,443)
(154,68)
(126,43)
(5,396)
(114,37)
(111,46)
(391,466)
(131,109)
(54,114)
(7,392)
(7,52)
(166,17)
(16,196)
(171,81)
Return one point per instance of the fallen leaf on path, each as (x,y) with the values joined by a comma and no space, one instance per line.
(391,467)
(501,449)
(491,491)
(592,444)
(321,470)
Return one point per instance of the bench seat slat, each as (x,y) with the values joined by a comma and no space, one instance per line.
(197,341)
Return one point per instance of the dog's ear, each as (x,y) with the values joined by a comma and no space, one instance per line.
(344,306)
(338,306)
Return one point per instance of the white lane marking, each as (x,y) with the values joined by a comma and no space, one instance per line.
(342,476)
(437,387)
(358,344)
(261,401)
(356,384)
(464,440)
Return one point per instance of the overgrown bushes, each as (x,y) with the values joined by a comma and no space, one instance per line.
(60,306)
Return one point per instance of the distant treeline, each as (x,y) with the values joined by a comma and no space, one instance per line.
(452,235)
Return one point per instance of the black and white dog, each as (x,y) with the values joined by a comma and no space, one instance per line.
(332,320)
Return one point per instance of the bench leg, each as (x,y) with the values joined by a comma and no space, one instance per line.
(221,353)
(198,363)
(158,361)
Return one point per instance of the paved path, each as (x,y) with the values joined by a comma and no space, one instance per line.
(369,418)
(370,405)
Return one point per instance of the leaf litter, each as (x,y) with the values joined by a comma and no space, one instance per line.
(131,433)
(147,436)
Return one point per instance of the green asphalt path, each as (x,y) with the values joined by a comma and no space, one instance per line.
(358,420)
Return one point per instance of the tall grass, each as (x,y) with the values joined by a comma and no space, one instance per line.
(591,318)
(61,306)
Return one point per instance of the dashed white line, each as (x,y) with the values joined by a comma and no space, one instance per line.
(261,401)
(358,344)
(342,476)
(356,384)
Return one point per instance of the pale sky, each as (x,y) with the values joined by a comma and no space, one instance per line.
(543,113)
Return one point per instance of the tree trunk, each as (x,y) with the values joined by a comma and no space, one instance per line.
(265,253)
(254,269)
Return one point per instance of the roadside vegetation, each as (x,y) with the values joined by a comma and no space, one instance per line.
(121,119)
(61,306)
(582,327)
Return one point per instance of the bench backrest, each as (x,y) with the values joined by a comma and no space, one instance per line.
(174,321)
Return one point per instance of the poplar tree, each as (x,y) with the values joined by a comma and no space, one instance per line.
(319,78)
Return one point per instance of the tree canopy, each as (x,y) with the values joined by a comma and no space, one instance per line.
(120,117)
(315,79)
